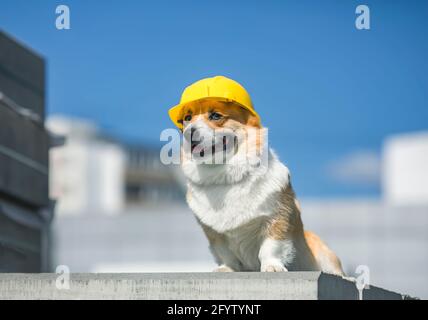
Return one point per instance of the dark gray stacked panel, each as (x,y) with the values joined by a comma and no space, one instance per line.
(22,75)
(24,145)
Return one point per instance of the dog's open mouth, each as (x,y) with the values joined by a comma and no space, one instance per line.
(196,147)
(199,148)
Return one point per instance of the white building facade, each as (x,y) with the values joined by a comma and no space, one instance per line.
(87,174)
(405,169)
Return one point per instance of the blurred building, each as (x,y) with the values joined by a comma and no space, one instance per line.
(87,172)
(25,208)
(118,207)
(95,174)
(405,178)
(162,237)
(147,180)
(391,241)
(389,235)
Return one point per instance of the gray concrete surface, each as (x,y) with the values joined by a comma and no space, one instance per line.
(228,286)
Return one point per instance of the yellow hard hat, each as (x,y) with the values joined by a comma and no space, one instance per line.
(217,88)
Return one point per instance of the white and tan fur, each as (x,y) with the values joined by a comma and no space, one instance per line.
(248,209)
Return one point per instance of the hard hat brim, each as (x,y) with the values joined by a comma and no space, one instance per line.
(174,112)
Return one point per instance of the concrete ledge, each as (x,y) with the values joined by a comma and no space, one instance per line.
(221,286)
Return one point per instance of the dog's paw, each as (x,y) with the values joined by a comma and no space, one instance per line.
(273,266)
(223,268)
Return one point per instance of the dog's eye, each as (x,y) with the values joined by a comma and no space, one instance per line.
(188,117)
(215,116)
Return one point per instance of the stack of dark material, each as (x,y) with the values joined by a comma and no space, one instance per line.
(25,209)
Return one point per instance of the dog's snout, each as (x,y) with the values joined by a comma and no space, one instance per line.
(196,137)
(193,132)
(190,134)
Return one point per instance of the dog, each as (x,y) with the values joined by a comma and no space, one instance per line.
(245,205)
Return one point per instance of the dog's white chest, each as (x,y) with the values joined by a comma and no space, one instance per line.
(225,207)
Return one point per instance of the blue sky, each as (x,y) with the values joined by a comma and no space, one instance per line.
(329,93)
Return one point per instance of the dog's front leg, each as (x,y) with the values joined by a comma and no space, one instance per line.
(225,258)
(274,255)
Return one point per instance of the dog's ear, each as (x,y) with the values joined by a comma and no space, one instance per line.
(254,121)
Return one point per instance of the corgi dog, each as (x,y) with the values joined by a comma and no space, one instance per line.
(241,194)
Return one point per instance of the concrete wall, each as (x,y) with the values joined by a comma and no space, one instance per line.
(228,286)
